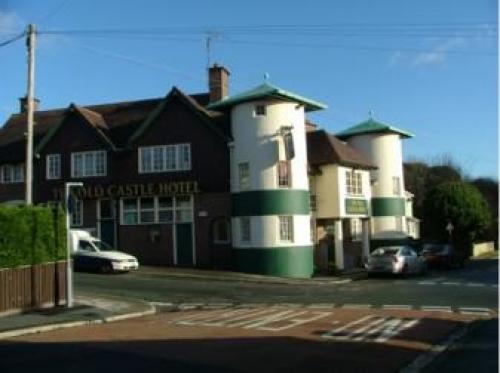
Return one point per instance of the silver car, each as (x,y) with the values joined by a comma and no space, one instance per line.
(396,260)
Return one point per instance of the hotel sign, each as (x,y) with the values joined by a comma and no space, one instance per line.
(171,188)
(356,206)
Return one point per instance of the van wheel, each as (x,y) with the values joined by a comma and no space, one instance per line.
(106,267)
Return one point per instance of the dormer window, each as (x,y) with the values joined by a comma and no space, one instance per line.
(260,110)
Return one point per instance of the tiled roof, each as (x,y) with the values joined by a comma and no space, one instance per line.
(117,122)
(266,90)
(371,126)
(324,148)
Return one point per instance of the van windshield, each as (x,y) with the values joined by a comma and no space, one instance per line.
(102,246)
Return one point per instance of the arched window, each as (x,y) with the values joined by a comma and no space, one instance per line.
(221,231)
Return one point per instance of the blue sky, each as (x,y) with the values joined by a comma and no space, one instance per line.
(429,67)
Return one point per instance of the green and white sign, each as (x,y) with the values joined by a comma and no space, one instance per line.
(356,206)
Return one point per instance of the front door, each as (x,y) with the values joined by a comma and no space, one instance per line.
(184,241)
(107,221)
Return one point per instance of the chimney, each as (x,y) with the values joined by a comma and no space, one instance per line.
(218,82)
(23,104)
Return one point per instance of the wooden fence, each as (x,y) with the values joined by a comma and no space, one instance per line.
(28,287)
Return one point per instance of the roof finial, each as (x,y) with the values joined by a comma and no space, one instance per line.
(370,113)
(266,77)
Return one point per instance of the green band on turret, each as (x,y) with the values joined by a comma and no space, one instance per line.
(271,202)
(388,206)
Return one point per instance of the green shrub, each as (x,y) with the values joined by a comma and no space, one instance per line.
(31,235)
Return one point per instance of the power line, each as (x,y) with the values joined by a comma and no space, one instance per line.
(56,10)
(133,60)
(12,40)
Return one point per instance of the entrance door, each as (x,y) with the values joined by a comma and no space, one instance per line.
(184,241)
(106,215)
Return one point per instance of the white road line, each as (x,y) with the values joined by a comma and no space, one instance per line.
(474,311)
(397,307)
(357,306)
(451,283)
(427,283)
(474,284)
(436,308)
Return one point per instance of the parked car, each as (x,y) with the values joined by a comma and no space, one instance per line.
(443,256)
(91,254)
(401,260)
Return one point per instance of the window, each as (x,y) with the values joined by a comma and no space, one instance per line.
(244,175)
(166,209)
(284,177)
(221,231)
(12,173)
(165,158)
(245,229)
(183,210)
(356,229)
(147,210)
(396,185)
(88,164)
(77,213)
(353,183)
(260,110)
(129,211)
(286,228)
(53,162)
(154,210)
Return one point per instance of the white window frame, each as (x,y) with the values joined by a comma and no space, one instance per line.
(354,183)
(53,166)
(179,160)
(15,173)
(93,171)
(257,112)
(244,179)
(285,228)
(245,225)
(284,182)
(77,214)
(175,209)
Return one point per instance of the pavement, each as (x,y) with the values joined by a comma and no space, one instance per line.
(87,310)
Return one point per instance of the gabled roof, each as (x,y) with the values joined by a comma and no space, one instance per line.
(266,90)
(324,148)
(115,122)
(91,118)
(371,126)
(200,111)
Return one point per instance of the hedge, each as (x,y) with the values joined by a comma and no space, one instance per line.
(31,235)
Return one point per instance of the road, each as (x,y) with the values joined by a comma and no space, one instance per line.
(262,339)
(476,286)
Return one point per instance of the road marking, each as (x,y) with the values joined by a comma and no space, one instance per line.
(370,328)
(495,286)
(427,283)
(356,306)
(451,283)
(397,307)
(474,284)
(436,308)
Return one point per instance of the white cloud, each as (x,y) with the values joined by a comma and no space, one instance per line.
(437,55)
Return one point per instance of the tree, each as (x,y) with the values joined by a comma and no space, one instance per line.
(489,189)
(460,204)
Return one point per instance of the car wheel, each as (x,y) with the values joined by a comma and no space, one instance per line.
(405,271)
(106,267)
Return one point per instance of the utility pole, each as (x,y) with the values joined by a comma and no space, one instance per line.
(30,43)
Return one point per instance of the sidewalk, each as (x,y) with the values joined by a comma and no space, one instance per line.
(218,275)
(87,310)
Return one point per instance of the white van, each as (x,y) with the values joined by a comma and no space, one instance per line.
(91,254)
